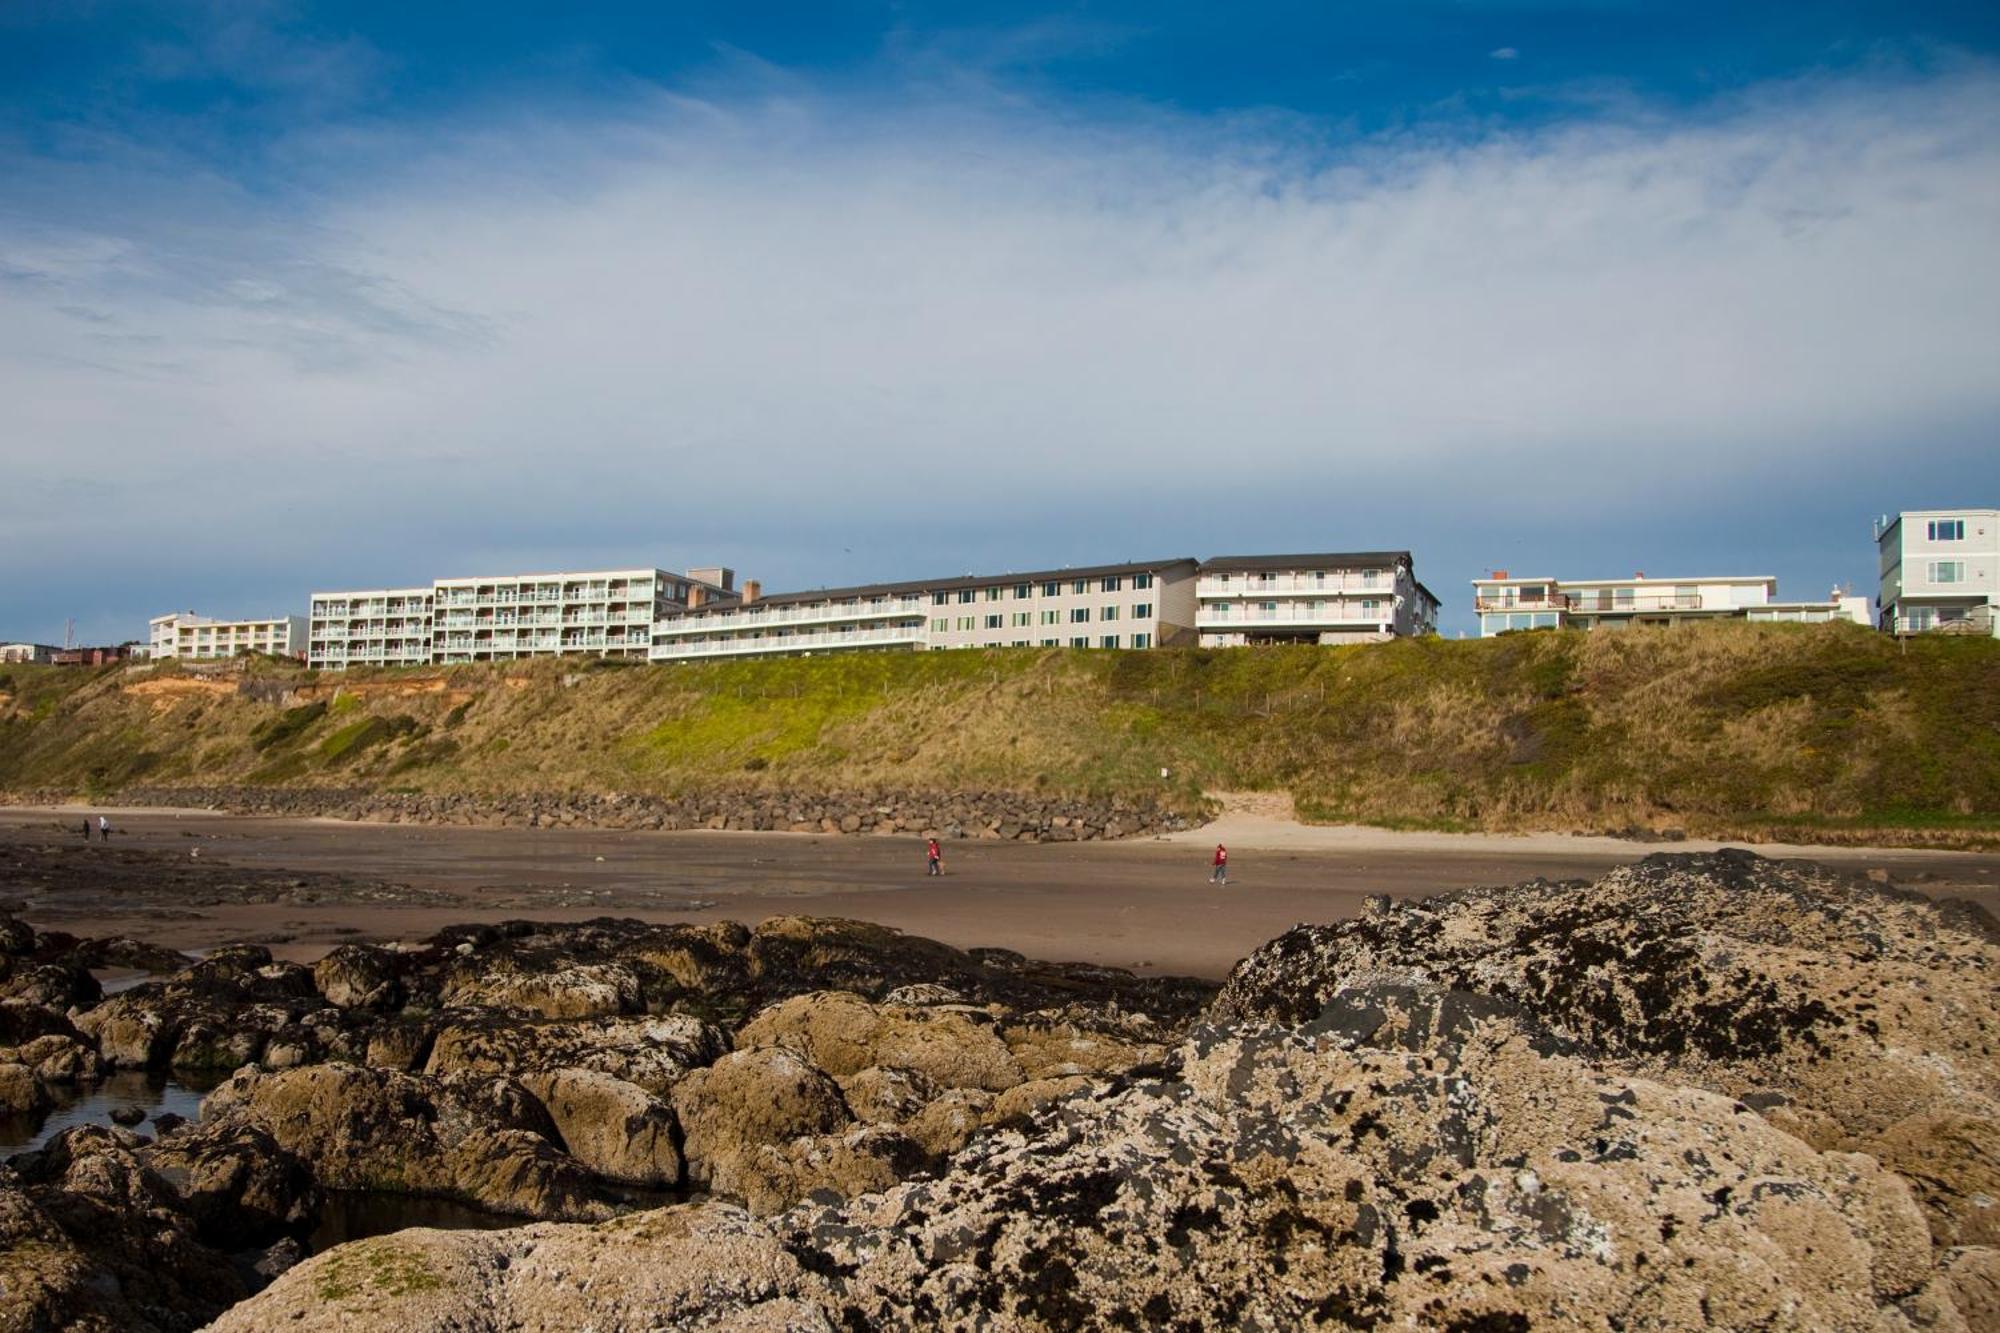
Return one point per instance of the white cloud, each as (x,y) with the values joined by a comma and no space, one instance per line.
(1504,53)
(697,327)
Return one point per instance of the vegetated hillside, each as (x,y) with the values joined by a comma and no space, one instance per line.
(1733,730)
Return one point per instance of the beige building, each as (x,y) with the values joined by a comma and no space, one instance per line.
(1350,597)
(20,653)
(1143,604)
(375,627)
(185,634)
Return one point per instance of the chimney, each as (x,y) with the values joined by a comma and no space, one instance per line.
(1499,573)
(752,590)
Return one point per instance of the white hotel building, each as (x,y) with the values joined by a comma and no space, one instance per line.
(1940,571)
(1352,597)
(1144,604)
(185,634)
(377,627)
(1505,603)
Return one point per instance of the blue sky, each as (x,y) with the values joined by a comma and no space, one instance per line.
(299,297)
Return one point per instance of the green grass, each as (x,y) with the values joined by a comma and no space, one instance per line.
(1722,730)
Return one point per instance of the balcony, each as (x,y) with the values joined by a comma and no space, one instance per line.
(1975,620)
(1500,601)
(755,617)
(1227,616)
(1332,584)
(790,643)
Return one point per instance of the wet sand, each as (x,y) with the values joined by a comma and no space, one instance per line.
(1145,905)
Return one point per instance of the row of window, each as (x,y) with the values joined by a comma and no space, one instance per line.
(1079,615)
(1051,588)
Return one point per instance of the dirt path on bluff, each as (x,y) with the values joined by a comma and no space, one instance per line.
(192,880)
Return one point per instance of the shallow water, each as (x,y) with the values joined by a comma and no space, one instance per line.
(150,1092)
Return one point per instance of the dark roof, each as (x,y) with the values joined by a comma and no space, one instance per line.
(951,584)
(1223,564)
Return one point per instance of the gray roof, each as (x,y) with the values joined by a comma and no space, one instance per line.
(949,584)
(1223,564)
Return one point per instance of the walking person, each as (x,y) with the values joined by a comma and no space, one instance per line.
(103,828)
(86,828)
(933,857)
(1220,874)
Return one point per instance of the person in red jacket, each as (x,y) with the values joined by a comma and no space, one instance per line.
(1220,875)
(934,856)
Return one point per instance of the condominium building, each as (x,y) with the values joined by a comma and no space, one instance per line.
(1940,571)
(1350,597)
(376,627)
(1505,603)
(608,613)
(185,634)
(1145,604)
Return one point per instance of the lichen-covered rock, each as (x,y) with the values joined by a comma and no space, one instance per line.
(747,1100)
(616,1129)
(240,1187)
(587,990)
(91,1240)
(360,976)
(1413,1158)
(844,1034)
(1953,1163)
(22,1091)
(654,1053)
(1863,1002)
(485,1141)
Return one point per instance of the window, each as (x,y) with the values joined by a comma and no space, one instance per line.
(1368,577)
(1020,643)
(940,599)
(1051,617)
(993,594)
(965,622)
(1946,529)
(1142,611)
(1370,605)
(1112,584)
(1020,618)
(993,621)
(1947,571)
(1022,592)
(1142,641)
(1108,641)
(1080,641)
(1141,582)
(1079,615)
(1107,613)
(964,596)
(1051,590)
(1051,643)
(939,626)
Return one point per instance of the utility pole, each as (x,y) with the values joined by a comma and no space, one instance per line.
(69,633)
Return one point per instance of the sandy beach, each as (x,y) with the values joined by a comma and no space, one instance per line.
(1145,905)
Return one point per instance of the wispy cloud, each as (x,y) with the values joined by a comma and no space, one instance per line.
(1504,53)
(746,329)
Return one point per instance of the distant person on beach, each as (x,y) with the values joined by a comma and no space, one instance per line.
(934,858)
(1220,875)
(104,828)
(86,828)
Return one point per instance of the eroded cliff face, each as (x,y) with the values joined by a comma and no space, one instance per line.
(1673,1098)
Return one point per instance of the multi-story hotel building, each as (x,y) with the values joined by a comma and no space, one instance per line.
(185,634)
(1145,604)
(1353,597)
(1505,603)
(376,627)
(1940,571)
(609,612)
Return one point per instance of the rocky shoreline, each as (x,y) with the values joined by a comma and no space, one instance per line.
(995,816)
(1703,1091)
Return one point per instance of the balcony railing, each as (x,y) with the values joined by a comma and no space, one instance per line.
(790,643)
(754,617)
(1591,603)
(1293,583)
(1975,620)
